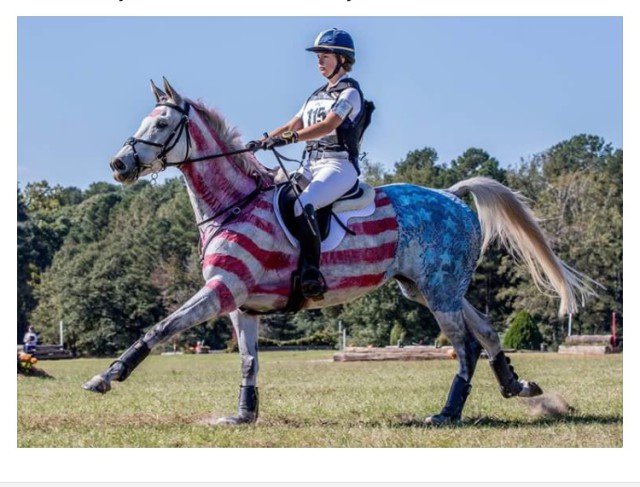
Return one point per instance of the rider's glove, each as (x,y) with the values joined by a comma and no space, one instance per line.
(287,137)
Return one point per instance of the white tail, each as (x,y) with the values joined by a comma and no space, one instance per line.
(504,215)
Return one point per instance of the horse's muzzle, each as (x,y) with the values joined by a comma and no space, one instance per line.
(117,165)
(121,172)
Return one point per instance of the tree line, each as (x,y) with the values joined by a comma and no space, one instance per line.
(110,261)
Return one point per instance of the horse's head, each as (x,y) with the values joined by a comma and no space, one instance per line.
(162,135)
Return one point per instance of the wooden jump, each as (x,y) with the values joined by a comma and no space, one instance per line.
(356,354)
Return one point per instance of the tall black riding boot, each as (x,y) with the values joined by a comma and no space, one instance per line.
(312,281)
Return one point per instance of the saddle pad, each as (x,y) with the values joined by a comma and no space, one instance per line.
(336,231)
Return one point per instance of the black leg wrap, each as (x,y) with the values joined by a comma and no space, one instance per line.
(458,394)
(507,378)
(248,403)
(130,359)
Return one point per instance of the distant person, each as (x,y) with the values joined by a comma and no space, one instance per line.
(30,340)
(331,122)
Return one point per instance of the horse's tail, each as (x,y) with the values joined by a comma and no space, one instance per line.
(504,215)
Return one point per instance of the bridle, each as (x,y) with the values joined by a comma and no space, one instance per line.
(167,146)
(172,140)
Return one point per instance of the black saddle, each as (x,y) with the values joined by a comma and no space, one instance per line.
(286,198)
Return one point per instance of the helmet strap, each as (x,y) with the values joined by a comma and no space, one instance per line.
(339,65)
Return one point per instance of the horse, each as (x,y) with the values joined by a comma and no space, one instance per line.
(428,240)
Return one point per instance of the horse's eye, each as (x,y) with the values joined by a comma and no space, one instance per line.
(161,123)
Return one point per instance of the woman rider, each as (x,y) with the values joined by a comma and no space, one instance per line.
(330,122)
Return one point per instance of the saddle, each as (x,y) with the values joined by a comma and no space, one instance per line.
(359,201)
(332,219)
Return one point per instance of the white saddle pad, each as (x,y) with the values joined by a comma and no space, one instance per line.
(344,210)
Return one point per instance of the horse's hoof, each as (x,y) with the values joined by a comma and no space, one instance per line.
(99,383)
(236,420)
(529,389)
(441,420)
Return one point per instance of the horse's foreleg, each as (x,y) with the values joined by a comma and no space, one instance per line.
(510,384)
(246,328)
(468,351)
(211,301)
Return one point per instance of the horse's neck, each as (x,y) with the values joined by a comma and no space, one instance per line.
(213,184)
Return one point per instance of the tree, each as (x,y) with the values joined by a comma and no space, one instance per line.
(419,167)
(476,162)
(40,235)
(113,260)
(373,173)
(370,319)
(523,334)
(579,199)
(580,153)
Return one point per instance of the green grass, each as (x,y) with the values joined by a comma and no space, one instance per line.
(306,400)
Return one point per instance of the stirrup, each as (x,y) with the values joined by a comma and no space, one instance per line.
(312,284)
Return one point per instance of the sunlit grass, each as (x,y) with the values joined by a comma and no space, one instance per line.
(306,400)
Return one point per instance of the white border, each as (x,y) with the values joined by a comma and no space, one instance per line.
(318,465)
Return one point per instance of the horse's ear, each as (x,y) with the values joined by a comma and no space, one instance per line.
(173,94)
(157,92)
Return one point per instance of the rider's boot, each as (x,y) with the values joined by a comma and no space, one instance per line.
(312,280)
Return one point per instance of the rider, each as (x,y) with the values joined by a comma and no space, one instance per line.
(331,124)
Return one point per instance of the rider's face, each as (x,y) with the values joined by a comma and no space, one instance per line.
(327,62)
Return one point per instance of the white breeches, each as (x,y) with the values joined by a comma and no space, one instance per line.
(330,179)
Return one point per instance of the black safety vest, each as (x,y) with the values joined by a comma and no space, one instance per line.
(350,132)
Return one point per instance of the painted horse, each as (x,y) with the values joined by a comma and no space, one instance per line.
(428,240)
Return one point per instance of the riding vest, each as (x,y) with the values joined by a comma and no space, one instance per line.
(348,135)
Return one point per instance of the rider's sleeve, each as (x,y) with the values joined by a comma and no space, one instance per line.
(348,104)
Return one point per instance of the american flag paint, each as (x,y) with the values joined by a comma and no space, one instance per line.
(429,240)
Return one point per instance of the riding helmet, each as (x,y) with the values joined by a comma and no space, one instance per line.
(334,40)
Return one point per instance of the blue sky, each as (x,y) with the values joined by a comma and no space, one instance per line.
(513,86)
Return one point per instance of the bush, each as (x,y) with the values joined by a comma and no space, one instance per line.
(398,334)
(442,341)
(523,334)
(323,338)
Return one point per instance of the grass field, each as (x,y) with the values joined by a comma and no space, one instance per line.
(306,400)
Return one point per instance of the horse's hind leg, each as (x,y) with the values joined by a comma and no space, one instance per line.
(246,328)
(467,350)
(510,384)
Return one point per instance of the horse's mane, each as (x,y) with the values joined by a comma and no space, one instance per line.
(232,139)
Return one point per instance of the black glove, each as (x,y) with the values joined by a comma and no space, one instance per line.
(254,145)
(272,142)
(287,137)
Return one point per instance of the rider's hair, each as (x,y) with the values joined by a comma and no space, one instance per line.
(347,62)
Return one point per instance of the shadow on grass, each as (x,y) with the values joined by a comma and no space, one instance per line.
(410,421)
(490,422)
